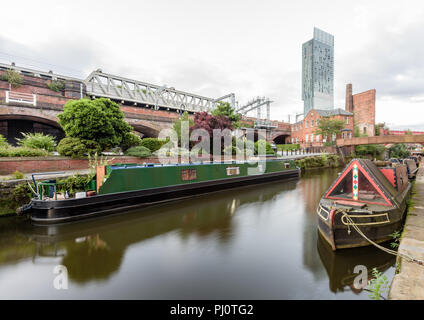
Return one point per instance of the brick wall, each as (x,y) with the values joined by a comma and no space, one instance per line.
(31,164)
(300,129)
(364,111)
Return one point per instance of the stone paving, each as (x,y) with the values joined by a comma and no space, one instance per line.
(408,284)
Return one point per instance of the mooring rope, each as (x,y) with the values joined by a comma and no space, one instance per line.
(387,250)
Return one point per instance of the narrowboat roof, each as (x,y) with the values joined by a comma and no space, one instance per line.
(150,165)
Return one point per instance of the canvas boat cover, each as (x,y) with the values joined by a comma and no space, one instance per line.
(362,181)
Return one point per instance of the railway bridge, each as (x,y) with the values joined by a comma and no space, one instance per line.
(148,108)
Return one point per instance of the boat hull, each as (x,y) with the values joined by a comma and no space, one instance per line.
(377,224)
(60,211)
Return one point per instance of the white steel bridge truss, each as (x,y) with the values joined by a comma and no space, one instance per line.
(99,84)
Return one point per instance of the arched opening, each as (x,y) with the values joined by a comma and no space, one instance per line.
(145,132)
(281,139)
(12,127)
(257,135)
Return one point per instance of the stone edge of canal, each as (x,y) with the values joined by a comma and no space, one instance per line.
(408,283)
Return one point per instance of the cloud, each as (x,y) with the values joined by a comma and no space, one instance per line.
(216,47)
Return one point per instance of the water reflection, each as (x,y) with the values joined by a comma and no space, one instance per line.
(254,242)
(341,264)
(94,250)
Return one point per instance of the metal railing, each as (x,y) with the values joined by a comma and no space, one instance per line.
(19,97)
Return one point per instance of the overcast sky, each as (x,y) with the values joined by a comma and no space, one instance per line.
(251,48)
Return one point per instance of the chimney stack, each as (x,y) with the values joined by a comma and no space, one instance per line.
(349,98)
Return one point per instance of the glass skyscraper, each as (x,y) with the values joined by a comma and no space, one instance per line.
(318,72)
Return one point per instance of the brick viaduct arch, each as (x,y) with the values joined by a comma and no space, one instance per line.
(14,119)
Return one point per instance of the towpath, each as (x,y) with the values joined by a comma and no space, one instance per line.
(409,282)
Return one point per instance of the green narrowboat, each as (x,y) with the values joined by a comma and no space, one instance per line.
(123,186)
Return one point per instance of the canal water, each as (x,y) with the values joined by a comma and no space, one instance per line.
(258,242)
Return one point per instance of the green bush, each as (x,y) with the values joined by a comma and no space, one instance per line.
(330,160)
(285,147)
(130,140)
(18,175)
(13,77)
(140,151)
(73,183)
(3,142)
(21,194)
(100,120)
(262,144)
(399,151)
(4,152)
(243,144)
(233,150)
(153,144)
(22,152)
(77,148)
(56,85)
(37,140)
(369,150)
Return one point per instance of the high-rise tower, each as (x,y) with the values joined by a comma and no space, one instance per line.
(318,72)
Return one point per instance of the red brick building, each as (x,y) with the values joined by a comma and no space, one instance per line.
(359,110)
(303,132)
(362,105)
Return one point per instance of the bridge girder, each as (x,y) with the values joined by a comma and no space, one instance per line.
(99,84)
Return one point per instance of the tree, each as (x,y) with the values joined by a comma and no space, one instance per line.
(225,109)
(408,132)
(208,122)
(99,120)
(328,127)
(373,150)
(177,124)
(399,151)
(204,120)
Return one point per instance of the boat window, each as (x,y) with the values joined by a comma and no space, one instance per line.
(188,174)
(366,191)
(232,171)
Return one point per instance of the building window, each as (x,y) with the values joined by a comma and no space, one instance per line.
(317,122)
(297,140)
(312,138)
(317,137)
(306,138)
(292,140)
(312,123)
(233,171)
(349,135)
(347,120)
(365,130)
(188,174)
(306,124)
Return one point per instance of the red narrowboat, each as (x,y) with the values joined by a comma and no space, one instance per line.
(365,197)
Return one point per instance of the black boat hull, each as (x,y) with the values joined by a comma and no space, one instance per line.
(377,226)
(60,211)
